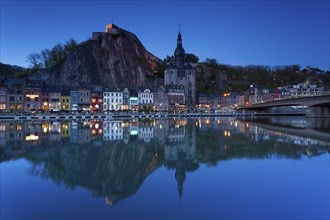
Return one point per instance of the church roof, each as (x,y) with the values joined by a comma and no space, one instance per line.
(179,51)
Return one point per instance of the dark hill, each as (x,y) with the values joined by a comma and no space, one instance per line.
(7,70)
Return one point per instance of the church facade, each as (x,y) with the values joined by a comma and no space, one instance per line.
(179,73)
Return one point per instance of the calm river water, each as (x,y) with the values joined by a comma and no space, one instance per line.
(267,168)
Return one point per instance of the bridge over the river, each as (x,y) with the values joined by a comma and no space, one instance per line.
(318,106)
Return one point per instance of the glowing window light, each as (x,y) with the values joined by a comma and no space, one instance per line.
(31,137)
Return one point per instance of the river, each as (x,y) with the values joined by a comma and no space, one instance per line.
(220,168)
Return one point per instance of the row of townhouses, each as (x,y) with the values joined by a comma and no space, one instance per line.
(33,95)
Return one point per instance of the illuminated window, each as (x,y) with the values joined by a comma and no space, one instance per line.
(31,137)
(19,127)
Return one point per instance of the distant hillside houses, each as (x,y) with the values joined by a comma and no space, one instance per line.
(255,94)
(258,95)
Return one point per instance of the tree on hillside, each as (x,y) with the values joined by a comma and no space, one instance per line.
(35,60)
(46,58)
(160,70)
(52,58)
(70,45)
(211,61)
(57,54)
(192,58)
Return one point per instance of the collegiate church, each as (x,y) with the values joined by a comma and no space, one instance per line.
(179,73)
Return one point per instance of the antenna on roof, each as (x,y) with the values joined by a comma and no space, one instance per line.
(179,26)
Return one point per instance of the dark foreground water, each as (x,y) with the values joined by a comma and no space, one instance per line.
(270,168)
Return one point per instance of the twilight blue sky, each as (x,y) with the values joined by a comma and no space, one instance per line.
(233,32)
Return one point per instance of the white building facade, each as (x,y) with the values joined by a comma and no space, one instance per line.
(112,100)
(146,99)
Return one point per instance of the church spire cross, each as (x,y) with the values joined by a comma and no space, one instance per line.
(179,36)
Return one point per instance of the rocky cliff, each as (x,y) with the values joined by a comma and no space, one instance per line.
(114,58)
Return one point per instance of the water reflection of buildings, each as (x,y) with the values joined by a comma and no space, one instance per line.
(113,131)
(261,132)
(180,150)
(146,131)
(172,136)
(129,150)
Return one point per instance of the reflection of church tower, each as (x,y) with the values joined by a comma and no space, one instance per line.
(180,173)
(180,151)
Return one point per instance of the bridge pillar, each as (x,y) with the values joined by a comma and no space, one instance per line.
(318,112)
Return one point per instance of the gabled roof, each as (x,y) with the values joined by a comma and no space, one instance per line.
(158,89)
(170,65)
(97,88)
(133,93)
(112,89)
(188,66)
(84,85)
(65,92)
(52,88)
(34,83)
(142,89)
